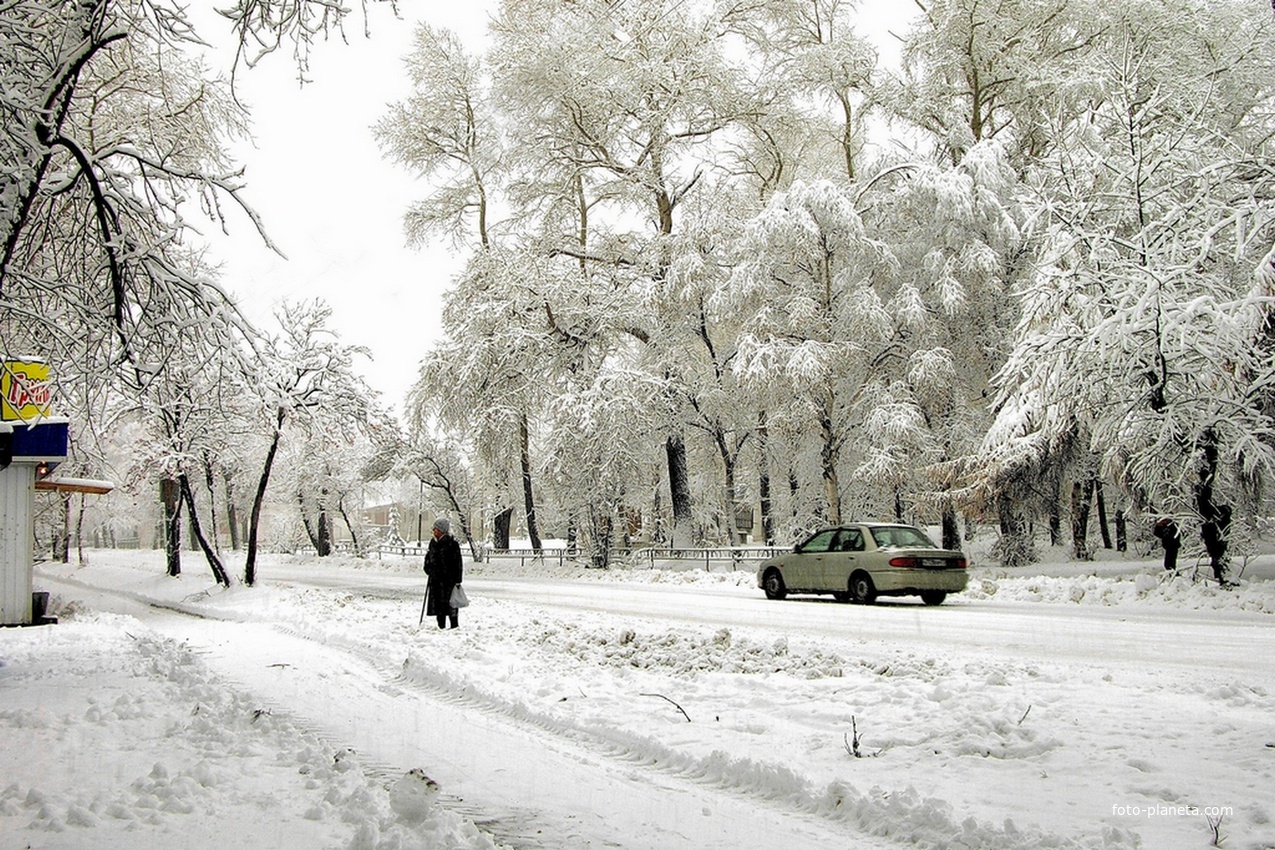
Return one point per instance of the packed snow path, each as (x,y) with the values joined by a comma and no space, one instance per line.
(1119,712)
(527,785)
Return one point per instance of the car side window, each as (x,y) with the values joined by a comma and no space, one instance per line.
(851,540)
(821,542)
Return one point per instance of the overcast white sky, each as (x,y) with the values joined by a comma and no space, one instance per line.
(334,206)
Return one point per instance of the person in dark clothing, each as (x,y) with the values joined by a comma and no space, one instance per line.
(1166,529)
(1214,531)
(445,569)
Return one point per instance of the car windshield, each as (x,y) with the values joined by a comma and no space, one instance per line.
(901,537)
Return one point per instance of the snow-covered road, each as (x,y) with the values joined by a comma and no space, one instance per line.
(1026,630)
(671,711)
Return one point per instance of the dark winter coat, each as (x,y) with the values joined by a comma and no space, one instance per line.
(1167,530)
(445,569)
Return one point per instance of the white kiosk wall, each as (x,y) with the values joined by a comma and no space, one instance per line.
(17,495)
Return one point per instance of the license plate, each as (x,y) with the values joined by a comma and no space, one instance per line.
(933,562)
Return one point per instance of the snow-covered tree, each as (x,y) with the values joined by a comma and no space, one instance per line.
(112,137)
(112,134)
(973,69)
(815,73)
(304,373)
(443,133)
(491,375)
(191,408)
(483,377)
(440,465)
(1142,326)
(815,326)
(623,102)
(955,249)
(602,460)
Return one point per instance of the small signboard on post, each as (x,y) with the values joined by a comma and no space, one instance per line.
(25,391)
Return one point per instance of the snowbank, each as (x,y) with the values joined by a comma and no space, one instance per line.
(113,734)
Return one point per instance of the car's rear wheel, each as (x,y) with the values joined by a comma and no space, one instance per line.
(933,597)
(773,584)
(862,590)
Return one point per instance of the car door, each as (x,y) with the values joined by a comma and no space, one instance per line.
(806,568)
(839,563)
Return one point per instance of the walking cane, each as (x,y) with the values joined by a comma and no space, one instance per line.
(424,600)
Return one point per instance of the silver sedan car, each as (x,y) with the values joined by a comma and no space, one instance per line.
(863,561)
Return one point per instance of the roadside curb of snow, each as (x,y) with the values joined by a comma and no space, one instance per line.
(1169,590)
(923,822)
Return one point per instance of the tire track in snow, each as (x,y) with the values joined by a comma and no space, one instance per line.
(921,821)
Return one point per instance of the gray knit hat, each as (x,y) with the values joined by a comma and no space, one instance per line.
(443,525)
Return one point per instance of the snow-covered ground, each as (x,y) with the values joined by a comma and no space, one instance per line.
(1083,705)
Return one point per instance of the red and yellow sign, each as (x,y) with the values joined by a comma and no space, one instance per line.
(25,390)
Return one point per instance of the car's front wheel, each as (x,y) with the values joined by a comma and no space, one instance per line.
(933,597)
(773,584)
(862,590)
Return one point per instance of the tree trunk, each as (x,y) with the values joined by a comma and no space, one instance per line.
(170,495)
(354,537)
(733,535)
(310,532)
(324,544)
(254,522)
(1102,514)
(232,515)
(679,491)
(603,532)
(1122,533)
(1215,518)
(794,487)
(79,532)
(763,480)
(214,563)
(951,532)
(500,528)
(528,500)
(63,542)
(1014,549)
(828,469)
(210,481)
(1055,509)
(1081,496)
(657,516)
(847,134)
